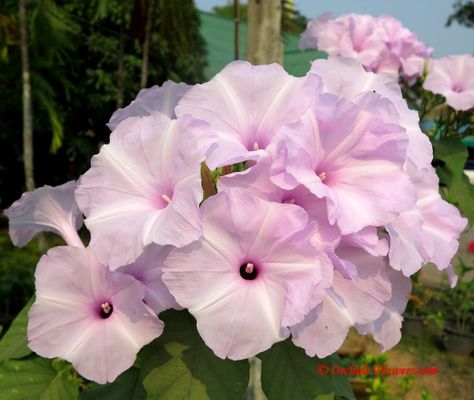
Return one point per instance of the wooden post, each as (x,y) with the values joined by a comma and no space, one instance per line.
(146,44)
(27,108)
(237,30)
(121,56)
(264,44)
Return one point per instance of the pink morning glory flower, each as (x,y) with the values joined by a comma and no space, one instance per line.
(244,106)
(257,183)
(352,155)
(346,78)
(155,99)
(148,269)
(46,209)
(87,315)
(453,78)
(250,276)
(429,232)
(144,187)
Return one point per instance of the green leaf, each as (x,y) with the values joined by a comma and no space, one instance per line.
(179,365)
(13,343)
(452,152)
(455,186)
(288,373)
(54,119)
(468,141)
(36,379)
(325,397)
(127,386)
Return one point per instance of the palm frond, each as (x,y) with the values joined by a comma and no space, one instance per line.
(54,119)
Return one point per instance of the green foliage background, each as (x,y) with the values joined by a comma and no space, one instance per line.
(74,51)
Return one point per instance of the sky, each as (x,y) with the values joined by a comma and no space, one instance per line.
(426,18)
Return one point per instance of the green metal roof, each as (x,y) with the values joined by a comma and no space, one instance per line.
(218,31)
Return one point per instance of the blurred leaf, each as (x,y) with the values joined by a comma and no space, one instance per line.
(56,126)
(17,266)
(13,343)
(104,8)
(36,379)
(288,373)
(9,33)
(455,185)
(52,29)
(452,152)
(468,141)
(127,386)
(325,397)
(179,365)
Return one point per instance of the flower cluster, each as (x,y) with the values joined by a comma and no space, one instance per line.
(380,44)
(321,203)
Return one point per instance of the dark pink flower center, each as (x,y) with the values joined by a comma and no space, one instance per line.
(105,310)
(321,173)
(256,143)
(248,271)
(161,200)
(289,200)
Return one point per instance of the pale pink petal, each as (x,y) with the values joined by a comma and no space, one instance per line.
(144,187)
(65,321)
(352,155)
(258,183)
(387,64)
(161,99)
(255,181)
(379,206)
(244,106)
(408,250)
(443,224)
(427,233)
(368,240)
(386,329)
(452,277)
(291,266)
(461,101)
(347,303)
(46,209)
(346,78)
(309,36)
(148,269)
(180,223)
